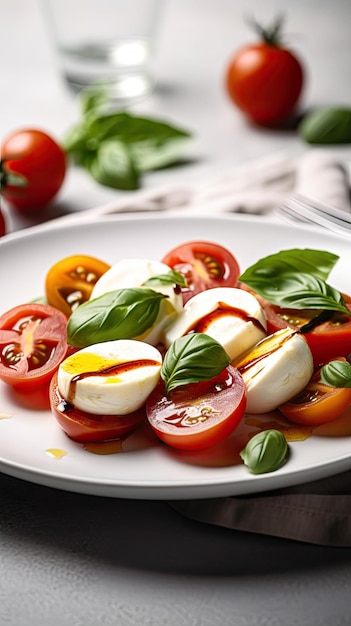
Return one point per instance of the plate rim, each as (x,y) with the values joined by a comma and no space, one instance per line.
(159,490)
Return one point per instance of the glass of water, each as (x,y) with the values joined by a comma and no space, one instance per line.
(109,43)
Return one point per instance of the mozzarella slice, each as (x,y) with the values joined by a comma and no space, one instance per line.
(113,378)
(232,316)
(128,273)
(275,370)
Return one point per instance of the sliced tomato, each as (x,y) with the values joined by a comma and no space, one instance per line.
(317,403)
(199,415)
(71,280)
(32,345)
(205,265)
(327,339)
(86,427)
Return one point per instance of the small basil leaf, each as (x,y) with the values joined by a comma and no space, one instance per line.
(75,142)
(336,374)
(113,166)
(316,262)
(111,126)
(265,452)
(192,358)
(327,126)
(120,314)
(154,155)
(39,300)
(91,100)
(171,278)
(301,291)
(136,130)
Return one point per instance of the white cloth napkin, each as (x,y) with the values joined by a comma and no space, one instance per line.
(255,187)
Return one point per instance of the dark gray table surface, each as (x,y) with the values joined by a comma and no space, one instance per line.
(68,559)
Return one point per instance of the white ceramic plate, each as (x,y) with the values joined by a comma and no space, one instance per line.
(146,469)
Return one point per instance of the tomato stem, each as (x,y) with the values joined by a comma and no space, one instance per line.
(8,178)
(270,35)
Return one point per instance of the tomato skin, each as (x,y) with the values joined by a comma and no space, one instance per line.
(2,224)
(326,341)
(265,82)
(224,395)
(318,403)
(85,427)
(39,159)
(70,281)
(205,265)
(32,345)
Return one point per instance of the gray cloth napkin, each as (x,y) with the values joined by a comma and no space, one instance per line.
(318,512)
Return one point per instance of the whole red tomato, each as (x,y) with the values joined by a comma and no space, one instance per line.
(33,167)
(2,224)
(264,79)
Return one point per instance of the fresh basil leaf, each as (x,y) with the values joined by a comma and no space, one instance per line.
(113,166)
(153,144)
(133,129)
(171,278)
(119,314)
(336,374)
(109,126)
(316,262)
(192,358)
(153,155)
(302,291)
(327,126)
(265,452)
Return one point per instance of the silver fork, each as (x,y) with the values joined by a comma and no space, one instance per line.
(301,209)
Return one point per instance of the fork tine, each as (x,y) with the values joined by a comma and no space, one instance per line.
(299,209)
(324,209)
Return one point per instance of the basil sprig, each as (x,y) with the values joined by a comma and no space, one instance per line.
(337,374)
(193,358)
(295,279)
(170,278)
(116,148)
(119,314)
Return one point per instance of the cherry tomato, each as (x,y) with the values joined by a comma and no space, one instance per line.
(317,403)
(86,427)
(327,340)
(32,345)
(265,80)
(198,415)
(205,265)
(2,224)
(39,164)
(70,282)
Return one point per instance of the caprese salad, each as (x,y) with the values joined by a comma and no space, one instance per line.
(188,342)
